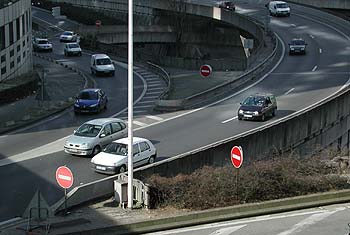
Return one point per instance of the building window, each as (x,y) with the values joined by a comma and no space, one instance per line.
(24,43)
(27,38)
(3,58)
(18,59)
(18,48)
(27,21)
(2,37)
(3,70)
(12,64)
(18,29)
(12,53)
(24,54)
(23,25)
(11,32)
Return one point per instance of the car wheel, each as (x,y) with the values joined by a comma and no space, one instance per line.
(105,107)
(112,74)
(96,150)
(79,53)
(274,113)
(122,169)
(263,117)
(151,160)
(239,117)
(92,72)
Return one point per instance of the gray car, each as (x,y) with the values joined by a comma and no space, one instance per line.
(92,136)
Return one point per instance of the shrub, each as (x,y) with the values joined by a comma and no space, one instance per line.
(258,181)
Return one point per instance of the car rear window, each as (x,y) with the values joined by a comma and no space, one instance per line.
(282,5)
(73,45)
(105,61)
(43,42)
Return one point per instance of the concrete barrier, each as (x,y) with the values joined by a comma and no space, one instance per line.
(332,4)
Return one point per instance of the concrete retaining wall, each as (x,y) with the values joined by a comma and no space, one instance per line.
(333,4)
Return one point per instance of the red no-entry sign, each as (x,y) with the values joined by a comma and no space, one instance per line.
(237,156)
(64,177)
(205,70)
(98,23)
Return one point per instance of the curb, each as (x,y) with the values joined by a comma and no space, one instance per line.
(224,214)
(15,127)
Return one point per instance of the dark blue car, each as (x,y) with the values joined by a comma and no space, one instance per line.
(90,100)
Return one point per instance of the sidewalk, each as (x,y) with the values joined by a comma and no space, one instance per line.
(61,86)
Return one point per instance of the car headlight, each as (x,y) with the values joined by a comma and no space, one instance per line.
(302,48)
(256,113)
(93,105)
(292,48)
(240,111)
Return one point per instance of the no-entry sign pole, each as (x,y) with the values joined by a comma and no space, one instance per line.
(130,105)
(237,160)
(64,178)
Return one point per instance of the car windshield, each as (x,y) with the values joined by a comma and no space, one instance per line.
(88,95)
(105,61)
(117,148)
(282,5)
(298,42)
(254,101)
(88,130)
(73,45)
(43,42)
(68,33)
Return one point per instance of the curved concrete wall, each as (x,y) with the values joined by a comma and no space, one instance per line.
(147,7)
(15,40)
(333,4)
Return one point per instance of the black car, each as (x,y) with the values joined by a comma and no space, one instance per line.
(297,46)
(258,107)
(227,5)
(90,100)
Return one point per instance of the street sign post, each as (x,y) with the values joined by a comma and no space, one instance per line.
(64,178)
(237,156)
(205,70)
(237,160)
(98,23)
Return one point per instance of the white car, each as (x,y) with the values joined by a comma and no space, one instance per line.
(114,158)
(278,8)
(72,49)
(101,64)
(91,137)
(68,36)
(42,44)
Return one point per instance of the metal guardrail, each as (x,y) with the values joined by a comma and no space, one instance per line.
(164,75)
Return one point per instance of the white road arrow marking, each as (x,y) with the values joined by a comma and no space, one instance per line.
(227,231)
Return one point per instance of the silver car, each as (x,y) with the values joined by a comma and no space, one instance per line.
(92,136)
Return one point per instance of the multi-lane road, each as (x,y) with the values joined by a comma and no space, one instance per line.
(30,157)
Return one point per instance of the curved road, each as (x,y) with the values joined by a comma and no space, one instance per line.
(298,81)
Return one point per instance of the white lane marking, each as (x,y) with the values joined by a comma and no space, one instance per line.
(227,231)
(293,25)
(154,85)
(3,136)
(232,223)
(152,93)
(150,97)
(314,69)
(313,219)
(146,101)
(228,120)
(52,148)
(5,222)
(154,82)
(345,85)
(64,177)
(48,23)
(152,79)
(46,149)
(156,88)
(289,91)
(139,123)
(320,50)
(142,106)
(312,36)
(155,118)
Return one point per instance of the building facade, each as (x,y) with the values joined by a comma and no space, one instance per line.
(15,38)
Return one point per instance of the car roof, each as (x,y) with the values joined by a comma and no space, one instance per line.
(42,39)
(297,39)
(70,43)
(126,140)
(68,32)
(90,89)
(100,56)
(261,95)
(278,2)
(102,121)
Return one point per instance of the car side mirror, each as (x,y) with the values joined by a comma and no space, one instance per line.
(102,135)
(240,103)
